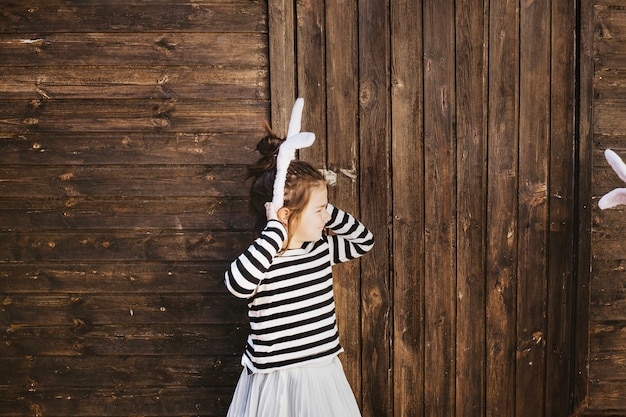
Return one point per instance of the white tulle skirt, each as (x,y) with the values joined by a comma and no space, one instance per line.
(318,390)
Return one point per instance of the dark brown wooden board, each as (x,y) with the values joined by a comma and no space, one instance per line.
(604,377)
(375,205)
(533,206)
(125,131)
(147,82)
(502,182)
(471,154)
(440,209)
(134,16)
(144,49)
(467,135)
(407,156)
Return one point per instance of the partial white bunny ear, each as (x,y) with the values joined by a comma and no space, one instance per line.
(616,163)
(287,151)
(295,121)
(613,198)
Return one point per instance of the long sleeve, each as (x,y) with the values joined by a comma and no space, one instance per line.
(244,274)
(350,238)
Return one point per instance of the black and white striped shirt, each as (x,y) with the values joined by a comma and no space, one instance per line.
(291,305)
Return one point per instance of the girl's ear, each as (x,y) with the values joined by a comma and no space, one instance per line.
(283,215)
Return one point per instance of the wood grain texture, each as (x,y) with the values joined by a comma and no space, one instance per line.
(134,16)
(502,206)
(197,82)
(118,148)
(282,53)
(471,120)
(604,383)
(440,222)
(450,128)
(125,131)
(141,49)
(533,208)
(562,212)
(407,153)
(375,191)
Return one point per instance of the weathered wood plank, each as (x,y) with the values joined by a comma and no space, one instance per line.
(129,148)
(561,194)
(188,82)
(471,168)
(611,364)
(133,16)
(85,310)
(342,107)
(125,131)
(130,371)
(311,82)
(532,213)
(440,221)
(609,85)
(611,24)
(610,275)
(114,278)
(136,49)
(282,53)
(607,311)
(607,396)
(582,203)
(148,214)
(120,182)
(375,191)
(501,255)
(172,115)
(608,305)
(608,336)
(608,117)
(118,340)
(116,402)
(90,246)
(407,155)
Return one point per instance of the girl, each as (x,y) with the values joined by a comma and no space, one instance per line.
(291,367)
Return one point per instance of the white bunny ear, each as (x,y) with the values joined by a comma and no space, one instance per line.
(616,163)
(295,122)
(613,198)
(287,151)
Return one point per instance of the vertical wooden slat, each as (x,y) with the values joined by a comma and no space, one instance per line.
(281,28)
(375,191)
(534,145)
(583,202)
(342,147)
(440,208)
(561,195)
(408,208)
(471,170)
(502,208)
(311,82)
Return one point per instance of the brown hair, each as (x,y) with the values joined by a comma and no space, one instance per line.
(301,178)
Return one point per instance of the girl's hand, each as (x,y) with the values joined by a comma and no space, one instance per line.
(270,212)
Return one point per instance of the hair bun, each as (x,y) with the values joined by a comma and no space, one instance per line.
(269,145)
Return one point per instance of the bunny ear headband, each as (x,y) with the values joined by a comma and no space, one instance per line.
(618,195)
(287,151)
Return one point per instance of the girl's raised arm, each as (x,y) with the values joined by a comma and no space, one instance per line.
(245,272)
(350,238)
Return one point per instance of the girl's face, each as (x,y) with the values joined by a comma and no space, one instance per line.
(313,219)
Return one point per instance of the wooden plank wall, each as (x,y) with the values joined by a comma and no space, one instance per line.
(125,128)
(456,121)
(602,362)
(451,127)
